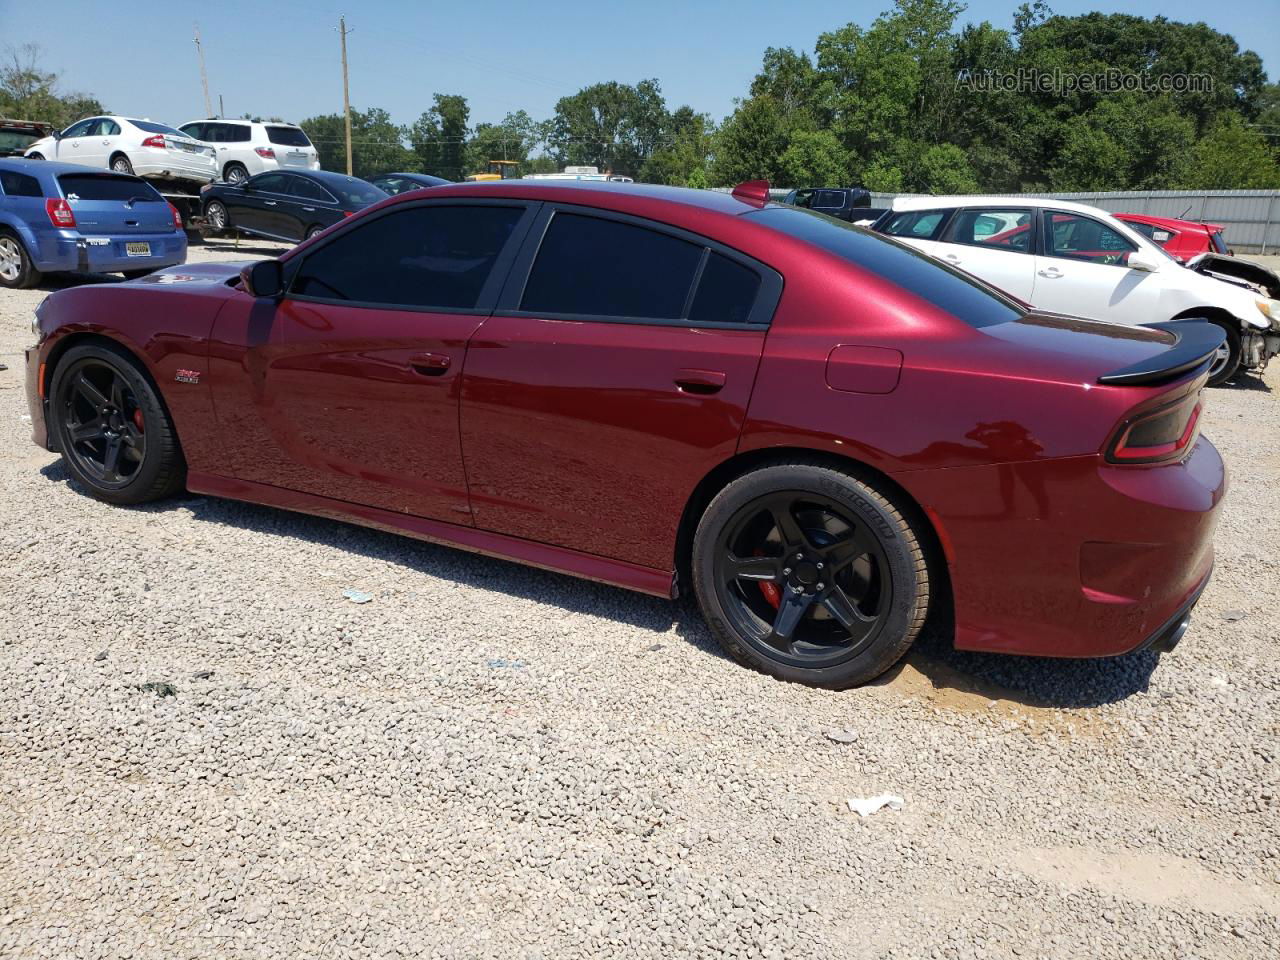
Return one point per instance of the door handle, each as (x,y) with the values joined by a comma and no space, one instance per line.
(1051,273)
(950,258)
(269,203)
(699,381)
(430,364)
(309,209)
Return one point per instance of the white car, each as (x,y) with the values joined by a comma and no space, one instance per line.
(125,145)
(246,148)
(1070,258)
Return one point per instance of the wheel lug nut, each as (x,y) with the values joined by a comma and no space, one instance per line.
(786,571)
(819,566)
(821,586)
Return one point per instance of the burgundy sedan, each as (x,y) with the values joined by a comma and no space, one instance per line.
(825,434)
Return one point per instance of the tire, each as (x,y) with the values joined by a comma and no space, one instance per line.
(136,274)
(120,164)
(148,462)
(831,598)
(1227,361)
(16,269)
(216,217)
(312,231)
(235,173)
(35,156)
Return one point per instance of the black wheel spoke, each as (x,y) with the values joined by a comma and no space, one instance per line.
(89,392)
(837,603)
(753,568)
(791,611)
(785,521)
(111,458)
(839,555)
(91,430)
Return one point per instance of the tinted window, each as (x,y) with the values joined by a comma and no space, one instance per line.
(150,127)
(287,136)
(197,131)
(234,132)
(829,199)
(79,129)
(310,190)
(91,186)
(726,292)
(19,185)
(16,141)
(354,192)
(919,224)
(1146,229)
(948,289)
(424,257)
(1076,237)
(605,268)
(998,229)
(270,182)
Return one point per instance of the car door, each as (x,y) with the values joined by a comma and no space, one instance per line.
(1082,270)
(348,386)
(613,376)
(103,140)
(311,206)
(72,145)
(995,244)
(256,206)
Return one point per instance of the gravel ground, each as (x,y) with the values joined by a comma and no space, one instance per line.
(205,751)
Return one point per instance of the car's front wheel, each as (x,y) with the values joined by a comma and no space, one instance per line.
(810,575)
(17,272)
(1227,360)
(114,432)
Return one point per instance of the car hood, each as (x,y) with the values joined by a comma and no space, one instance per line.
(1092,351)
(41,145)
(1243,273)
(188,275)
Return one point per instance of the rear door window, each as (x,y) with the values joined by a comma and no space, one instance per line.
(993,228)
(14,184)
(426,258)
(727,292)
(310,190)
(287,136)
(589,266)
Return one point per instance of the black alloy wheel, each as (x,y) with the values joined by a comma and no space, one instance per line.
(808,574)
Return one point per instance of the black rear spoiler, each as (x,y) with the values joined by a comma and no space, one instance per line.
(1195,342)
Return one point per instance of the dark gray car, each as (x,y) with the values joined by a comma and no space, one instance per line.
(286,205)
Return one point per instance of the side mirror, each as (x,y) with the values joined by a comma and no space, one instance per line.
(263,279)
(1144,261)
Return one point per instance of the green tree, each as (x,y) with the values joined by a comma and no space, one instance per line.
(514,138)
(685,150)
(1233,156)
(439,137)
(613,126)
(29,92)
(377,144)
(813,158)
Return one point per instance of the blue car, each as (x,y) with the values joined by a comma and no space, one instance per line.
(65,217)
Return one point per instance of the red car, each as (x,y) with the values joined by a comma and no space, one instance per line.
(824,433)
(1183,239)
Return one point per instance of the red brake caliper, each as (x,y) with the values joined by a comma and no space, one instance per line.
(137,420)
(770,590)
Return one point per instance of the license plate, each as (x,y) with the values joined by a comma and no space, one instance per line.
(137,249)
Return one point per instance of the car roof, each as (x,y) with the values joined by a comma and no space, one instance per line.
(54,167)
(950,203)
(247,123)
(593,193)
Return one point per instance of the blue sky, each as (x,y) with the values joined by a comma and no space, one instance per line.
(280,57)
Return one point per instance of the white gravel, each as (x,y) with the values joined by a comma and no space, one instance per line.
(490,761)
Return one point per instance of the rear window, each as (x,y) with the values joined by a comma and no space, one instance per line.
(15,184)
(90,186)
(355,192)
(13,142)
(150,127)
(287,136)
(919,274)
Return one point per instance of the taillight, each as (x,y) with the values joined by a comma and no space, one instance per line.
(1159,435)
(156,141)
(59,211)
(266,153)
(348,213)
(177,217)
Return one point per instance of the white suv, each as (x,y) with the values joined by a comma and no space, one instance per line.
(1070,258)
(245,147)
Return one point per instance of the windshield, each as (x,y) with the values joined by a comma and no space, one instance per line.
(961,295)
(106,186)
(150,127)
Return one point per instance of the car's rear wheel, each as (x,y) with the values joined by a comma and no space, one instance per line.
(114,432)
(1227,359)
(313,231)
(35,156)
(16,269)
(810,575)
(136,274)
(215,215)
(120,164)
(235,173)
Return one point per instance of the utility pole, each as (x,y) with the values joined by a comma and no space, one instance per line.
(346,96)
(222,111)
(204,77)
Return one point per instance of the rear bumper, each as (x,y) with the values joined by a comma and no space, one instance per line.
(1074,557)
(176,168)
(68,250)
